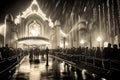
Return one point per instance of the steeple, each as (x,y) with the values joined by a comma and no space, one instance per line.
(34,2)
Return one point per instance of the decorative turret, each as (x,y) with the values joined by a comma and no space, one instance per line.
(9,17)
(9,24)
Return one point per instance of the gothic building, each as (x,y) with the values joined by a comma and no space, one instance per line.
(98,25)
(30,28)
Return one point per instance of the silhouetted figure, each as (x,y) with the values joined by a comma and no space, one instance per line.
(115,55)
(5,51)
(107,52)
(98,54)
(31,55)
(47,51)
(119,50)
(0,53)
(36,53)
(119,45)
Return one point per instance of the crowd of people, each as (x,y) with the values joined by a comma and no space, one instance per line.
(6,52)
(35,53)
(9,58)
(94,55)
(111,52)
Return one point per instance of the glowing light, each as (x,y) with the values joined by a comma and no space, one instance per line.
(99,39)
(85,8)
(2,29)
(83,73)
(82,41)
(64,35)
(62,67)
(94,75)
(61,45)
(50,22)
(103,79)
(34,29)
(30,11)
(24,68)
(33,42)
(105,44)
(66,44)
(35,32)
(34,2)
(18,19)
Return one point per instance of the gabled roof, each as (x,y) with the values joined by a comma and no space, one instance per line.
(33,9)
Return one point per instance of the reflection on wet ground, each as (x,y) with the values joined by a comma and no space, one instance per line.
(37,70)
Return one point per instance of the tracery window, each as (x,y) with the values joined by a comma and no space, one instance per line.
(34,29)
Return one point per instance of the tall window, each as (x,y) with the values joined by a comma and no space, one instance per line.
(34,29)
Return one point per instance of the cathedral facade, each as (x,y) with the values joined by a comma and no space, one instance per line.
(30,28)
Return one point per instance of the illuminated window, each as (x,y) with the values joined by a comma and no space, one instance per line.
(34,29)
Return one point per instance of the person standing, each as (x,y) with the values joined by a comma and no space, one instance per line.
(115,55)
(47,51)
(108,51)
(107,54)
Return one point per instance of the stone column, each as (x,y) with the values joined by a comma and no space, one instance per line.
(64,41)
(57,34)
(7,31)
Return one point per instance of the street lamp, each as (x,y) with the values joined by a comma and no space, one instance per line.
(99,39)
(66,44)
(105,44)
(82,42)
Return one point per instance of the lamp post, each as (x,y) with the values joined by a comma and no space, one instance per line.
(99,39)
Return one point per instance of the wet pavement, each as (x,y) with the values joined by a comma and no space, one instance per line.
(37,70)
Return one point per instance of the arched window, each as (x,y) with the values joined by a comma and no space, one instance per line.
(34,29)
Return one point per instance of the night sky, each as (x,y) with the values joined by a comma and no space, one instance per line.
(13,7)
(55,9)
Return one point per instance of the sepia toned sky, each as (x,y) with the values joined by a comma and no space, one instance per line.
(12,6)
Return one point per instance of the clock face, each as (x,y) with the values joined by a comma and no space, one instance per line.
(34,29)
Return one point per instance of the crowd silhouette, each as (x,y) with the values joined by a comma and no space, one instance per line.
(9,58)
(101,57)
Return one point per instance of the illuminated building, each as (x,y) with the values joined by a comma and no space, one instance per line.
(30,28)
(101,19)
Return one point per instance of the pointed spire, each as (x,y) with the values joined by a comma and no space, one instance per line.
(34,2)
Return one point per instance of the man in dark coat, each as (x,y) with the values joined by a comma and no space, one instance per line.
(107,52)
